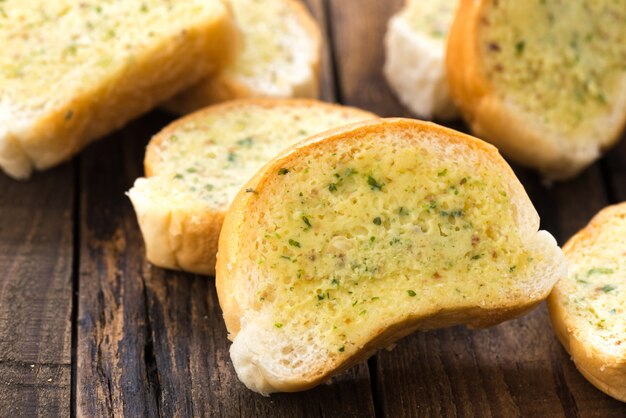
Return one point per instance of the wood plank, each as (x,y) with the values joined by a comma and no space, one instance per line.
(614,165)
(115,370)
(515,369)
(36,236)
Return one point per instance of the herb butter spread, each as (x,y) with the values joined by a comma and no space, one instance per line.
(562,60)
(594,293)
(209,158)
(52,49)
(368,232)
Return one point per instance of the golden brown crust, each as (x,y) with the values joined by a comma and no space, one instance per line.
(607,373)
(222,87)
(188,239)
(231,241)
(229,245)
(54,139)
(494,120)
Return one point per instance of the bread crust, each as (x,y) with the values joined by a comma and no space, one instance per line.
(604,371)
(170,67)
(231,239)
(188,239)
(223,87)
(498,122)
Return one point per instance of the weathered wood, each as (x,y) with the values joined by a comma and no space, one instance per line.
(36,234)
(115,363)
(615,171)
(328,87)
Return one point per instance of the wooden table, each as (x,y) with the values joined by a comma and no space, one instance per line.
(87,327)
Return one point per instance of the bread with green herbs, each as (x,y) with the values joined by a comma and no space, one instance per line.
(544,81)
(588,307)
(72,72)
(415,51)
(280,57)
(357,237)
(195,167)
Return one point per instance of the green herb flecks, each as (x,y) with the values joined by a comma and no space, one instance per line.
(377,220)
(607,288)
(294,243)
(374,183)
(278,325)
(519,47)
(306,222)
(246,142)
(599,270)
(332,187)
(411,293)
(283,171)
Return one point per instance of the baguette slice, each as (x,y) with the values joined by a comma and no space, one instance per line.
(359,236)
(588,308)
(195,167)
(415,46)
(71,72)
(543,81)
(280,58)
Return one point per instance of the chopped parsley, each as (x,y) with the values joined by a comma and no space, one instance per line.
(246,142)
(283,171)
(278,325)
(306,222)
(374,183)
(607,288)
(342,349)
(294,243)
(332,187)
(377,220)
(411,293)
(442,172)
(599,270)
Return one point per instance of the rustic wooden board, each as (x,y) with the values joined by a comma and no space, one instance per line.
(36,238)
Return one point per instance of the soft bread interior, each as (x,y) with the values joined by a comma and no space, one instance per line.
(375,228)
(279,52)
(196,166)
(73,72)
(559,68)
(415,46)
(594,293)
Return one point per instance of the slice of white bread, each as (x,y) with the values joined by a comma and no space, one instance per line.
(588,308)
(544,81)
(415,49)
(280,57)
(71,72)
(357,237)
(196,165)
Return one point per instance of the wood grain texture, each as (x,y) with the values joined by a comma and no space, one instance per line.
(36,237)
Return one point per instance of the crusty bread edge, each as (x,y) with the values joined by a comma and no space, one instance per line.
(494,120)
(56,137)
(187,239)
(605,372)
(222,87)
(472,317)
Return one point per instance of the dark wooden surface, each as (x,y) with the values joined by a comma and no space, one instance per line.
(88,328)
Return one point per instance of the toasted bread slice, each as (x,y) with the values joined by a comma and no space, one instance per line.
(71,72)
(280,58)
(588,308)
(196,166)
(543,81)
(357,237)
(415,46)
